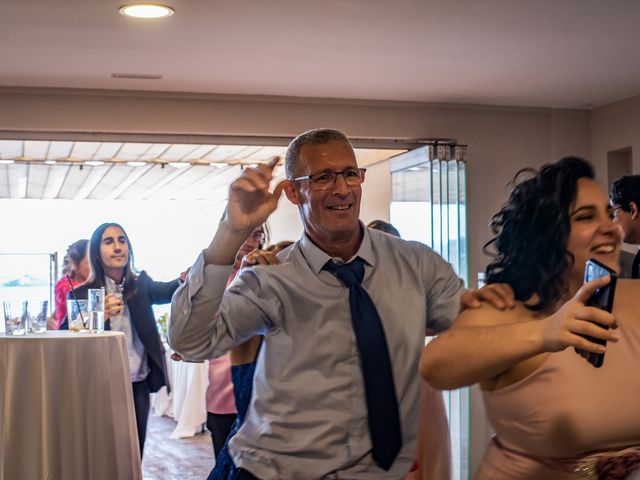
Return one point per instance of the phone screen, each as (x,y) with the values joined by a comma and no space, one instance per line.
(601,298)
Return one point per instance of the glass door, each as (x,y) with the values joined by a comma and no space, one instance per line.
(429,205)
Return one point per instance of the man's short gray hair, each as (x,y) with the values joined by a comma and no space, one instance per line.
(311,137)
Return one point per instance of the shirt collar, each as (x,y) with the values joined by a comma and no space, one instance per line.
(317,258)
(110,284)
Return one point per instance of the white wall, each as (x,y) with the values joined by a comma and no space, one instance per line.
(500,142)
(613,127)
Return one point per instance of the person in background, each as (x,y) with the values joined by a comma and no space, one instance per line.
(128,300)
(75,271)
(433,457)
(221,405)
(624,196)
(243,364)
(385,227)
(343,296)
(555,415)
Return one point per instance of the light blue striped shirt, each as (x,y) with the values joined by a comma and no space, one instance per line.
(308,416)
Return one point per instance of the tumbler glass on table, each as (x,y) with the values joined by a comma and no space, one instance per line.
(36,315)
(78,314)
(14,318)
(96,310)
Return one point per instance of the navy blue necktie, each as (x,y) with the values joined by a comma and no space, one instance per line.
(380,392)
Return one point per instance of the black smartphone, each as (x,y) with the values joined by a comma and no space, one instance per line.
(601,298)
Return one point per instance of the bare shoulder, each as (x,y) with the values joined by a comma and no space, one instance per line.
(627,297)
(487,315)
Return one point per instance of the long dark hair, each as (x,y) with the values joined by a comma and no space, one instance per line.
(96,278)
(532,229)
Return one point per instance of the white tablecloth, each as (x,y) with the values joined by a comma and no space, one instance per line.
(186,403)
(66,408)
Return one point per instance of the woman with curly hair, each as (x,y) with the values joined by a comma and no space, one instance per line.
(555,415)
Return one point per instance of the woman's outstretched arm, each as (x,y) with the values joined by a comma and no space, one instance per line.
(485,342)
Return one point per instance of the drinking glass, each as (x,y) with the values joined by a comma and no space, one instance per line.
(78,315)
(36,315)
(96,310)
(14,318)
(119,294)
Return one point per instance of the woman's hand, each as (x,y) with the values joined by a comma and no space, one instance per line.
(574,320)
(259,257)
(113,305)
(183,275)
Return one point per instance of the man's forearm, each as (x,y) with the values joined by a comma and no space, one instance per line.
(194,308)
(466,355)
(225,245)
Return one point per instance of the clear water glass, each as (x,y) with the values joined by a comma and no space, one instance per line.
(96,310)
(36,313)
(14,318)
(119,294)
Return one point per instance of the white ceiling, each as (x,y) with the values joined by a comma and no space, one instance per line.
(28,177)
(555,53)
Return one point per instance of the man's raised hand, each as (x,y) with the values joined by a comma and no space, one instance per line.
(250,201)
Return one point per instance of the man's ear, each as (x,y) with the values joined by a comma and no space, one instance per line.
(291,192)
(633,210)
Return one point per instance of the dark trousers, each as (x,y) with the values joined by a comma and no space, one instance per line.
(244,475)
(219,424)
(141,402)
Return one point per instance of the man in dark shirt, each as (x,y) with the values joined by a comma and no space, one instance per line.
(625,200)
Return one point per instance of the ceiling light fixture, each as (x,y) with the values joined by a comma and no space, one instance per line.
(146,10)
(50,162)
(136,164)
(137,76)
(6,162)
(218,164)
(94,163)
(179,164)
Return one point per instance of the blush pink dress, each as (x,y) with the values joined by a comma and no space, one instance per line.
(552,421)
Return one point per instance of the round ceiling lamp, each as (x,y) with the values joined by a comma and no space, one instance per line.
(146,10)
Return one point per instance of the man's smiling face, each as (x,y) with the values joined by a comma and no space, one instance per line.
(333,214)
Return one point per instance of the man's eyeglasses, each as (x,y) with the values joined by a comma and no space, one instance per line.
(615,209)
(326,180)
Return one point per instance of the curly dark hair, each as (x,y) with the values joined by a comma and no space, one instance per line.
(532,230)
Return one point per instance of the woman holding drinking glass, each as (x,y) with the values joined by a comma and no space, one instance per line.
(127,308)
